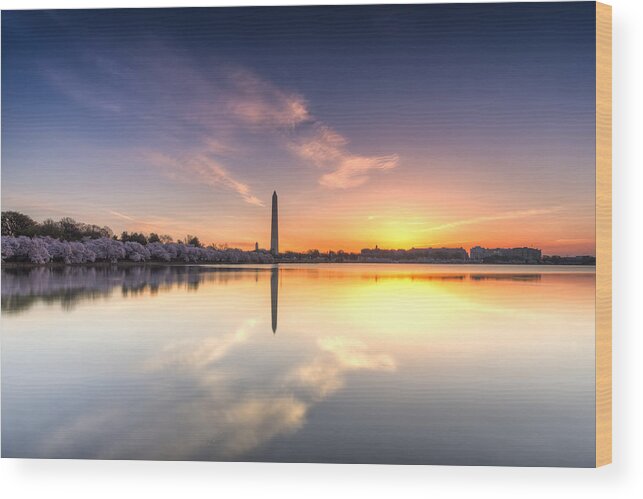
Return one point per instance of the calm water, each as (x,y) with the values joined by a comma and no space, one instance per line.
(489,365)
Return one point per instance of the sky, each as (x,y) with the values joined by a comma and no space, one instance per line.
(398,126)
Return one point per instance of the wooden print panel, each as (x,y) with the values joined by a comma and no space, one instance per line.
(603,234)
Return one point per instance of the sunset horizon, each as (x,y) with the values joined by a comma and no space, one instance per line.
(355,246)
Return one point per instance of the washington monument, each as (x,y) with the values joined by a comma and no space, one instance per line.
(274,232)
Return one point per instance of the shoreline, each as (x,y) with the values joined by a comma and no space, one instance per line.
(28,265)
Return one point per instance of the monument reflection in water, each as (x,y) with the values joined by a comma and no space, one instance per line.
(372,363)
(274,296)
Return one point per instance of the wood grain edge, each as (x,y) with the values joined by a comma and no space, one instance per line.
(603,234)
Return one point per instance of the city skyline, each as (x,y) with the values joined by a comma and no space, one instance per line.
(177,121)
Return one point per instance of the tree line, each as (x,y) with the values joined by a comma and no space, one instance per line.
(41,250)
(17,224)
(68,241)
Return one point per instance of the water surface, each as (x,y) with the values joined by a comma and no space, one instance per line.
(463,364)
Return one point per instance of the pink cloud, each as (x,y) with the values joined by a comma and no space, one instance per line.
(257,102)
(352,171)
(326,148)
(206,170)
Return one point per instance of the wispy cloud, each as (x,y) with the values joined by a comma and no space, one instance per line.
(579,240)
(121,215)
(201,168)
(190,356)
(326,148)
(353,171)
(258,102)
(508,215)
(325,374)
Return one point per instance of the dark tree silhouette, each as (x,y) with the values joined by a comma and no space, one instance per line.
(193,241)
(134,237)
(17,224)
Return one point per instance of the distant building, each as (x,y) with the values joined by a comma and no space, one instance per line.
(569,260)
(439,253)
(505,255)
(256,246)
(527,254)
(413,255)
(477,253)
